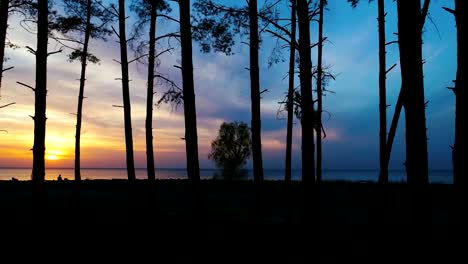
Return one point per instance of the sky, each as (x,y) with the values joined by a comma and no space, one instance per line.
(222,89)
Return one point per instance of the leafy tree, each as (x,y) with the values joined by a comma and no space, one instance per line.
(215,28)
(232,148)
(84,20)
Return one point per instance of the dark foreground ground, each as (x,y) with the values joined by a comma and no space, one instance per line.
(360,217)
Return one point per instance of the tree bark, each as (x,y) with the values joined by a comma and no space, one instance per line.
(150,95)
(460,171)
(410,44)
(191,138)
(290,107)
(319,94)
(3,30)
(383,177)
(307,106)
(400,100)
(255,93)
(84,59)
(40,93)
(126,93)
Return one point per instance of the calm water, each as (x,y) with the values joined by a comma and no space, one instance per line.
(349,175)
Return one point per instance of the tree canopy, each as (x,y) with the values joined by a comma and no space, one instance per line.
(232,148)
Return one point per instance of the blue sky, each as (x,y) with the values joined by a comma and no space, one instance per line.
(223,94)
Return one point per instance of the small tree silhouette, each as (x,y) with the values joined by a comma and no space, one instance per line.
(231,149)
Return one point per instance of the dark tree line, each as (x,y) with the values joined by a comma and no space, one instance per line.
(215,26)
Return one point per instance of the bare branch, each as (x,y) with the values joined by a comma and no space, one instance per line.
(117,61)
(118,106)
(53,52)
(28,86)
(391,68)
(3,106)
(424,12)
(164,51)
(449,10)
(115,31)
(169,35)
(68,40)
(391,42)
(7,69)
(278,36)
(137,58)
(168,18)
(31,50)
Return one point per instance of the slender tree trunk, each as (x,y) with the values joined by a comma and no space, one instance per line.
(255,93)
(3,30)
(410,44)
(394,125)
(459,161)
(126,93)
(383,177)
(307,106)
(290,107)
(84,62)
(150,95)
(38,173)
(191,138)
(319,94)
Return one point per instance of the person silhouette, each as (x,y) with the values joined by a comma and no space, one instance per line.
(59,178)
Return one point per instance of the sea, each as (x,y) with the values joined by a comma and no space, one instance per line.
(23,174)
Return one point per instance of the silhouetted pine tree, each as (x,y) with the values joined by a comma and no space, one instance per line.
(84,20)
(191,138)
(410,22)
(3,29)
(290,103)
(307,105)
(255,92)
(40,92)
(8,7)
(147,12)
(460,172)
(126,92)
(319,91)
(383,176)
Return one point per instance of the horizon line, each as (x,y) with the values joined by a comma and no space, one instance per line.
(178,168)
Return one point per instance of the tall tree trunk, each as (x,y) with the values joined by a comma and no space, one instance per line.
(150,95)
(38,173)
(307,106)
(319,94)
(383,177)
(84,61)
(191,138)
(290,107)
(255,93)
(126,93)
(410,44)
(3,29)
(400,100)
(460,171)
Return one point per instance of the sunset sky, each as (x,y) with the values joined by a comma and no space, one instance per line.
(223,94)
